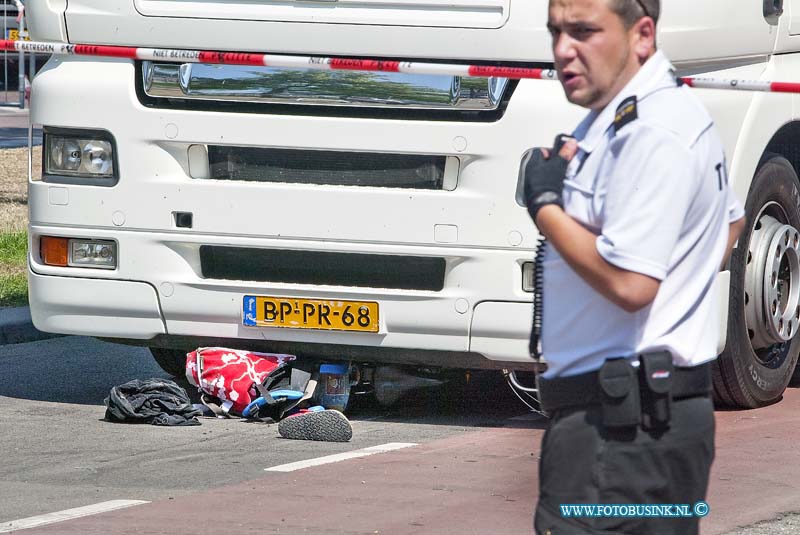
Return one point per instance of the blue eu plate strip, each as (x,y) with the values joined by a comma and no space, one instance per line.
(249,311)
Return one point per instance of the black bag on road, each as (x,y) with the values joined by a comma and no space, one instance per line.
(150,401)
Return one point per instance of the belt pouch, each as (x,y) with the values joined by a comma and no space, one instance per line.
(658,372)
(619,389)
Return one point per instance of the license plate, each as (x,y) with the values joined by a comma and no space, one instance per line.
(263,311)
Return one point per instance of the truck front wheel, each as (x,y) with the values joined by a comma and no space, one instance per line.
(764,314)
(172,361)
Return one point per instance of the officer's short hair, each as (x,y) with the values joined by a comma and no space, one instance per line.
(631,11)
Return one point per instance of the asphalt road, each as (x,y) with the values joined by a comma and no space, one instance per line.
(11,138)
(474,465)
(58,453)
(14,128)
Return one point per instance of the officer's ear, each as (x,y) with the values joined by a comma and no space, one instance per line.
(642,37)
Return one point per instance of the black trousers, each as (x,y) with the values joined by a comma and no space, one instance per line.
(583,463)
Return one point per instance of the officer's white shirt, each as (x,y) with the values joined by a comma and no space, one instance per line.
(654,189)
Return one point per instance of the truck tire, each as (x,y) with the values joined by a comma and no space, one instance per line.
(764,306)
(172,361)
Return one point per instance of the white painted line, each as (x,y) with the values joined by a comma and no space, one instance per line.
(67,514)
(528,417)
(383,448)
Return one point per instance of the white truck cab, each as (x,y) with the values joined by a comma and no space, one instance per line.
(362,216)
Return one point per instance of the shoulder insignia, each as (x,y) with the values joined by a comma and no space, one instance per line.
(626,113)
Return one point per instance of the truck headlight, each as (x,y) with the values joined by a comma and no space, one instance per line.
(79,157)
(78,252)
(98,254)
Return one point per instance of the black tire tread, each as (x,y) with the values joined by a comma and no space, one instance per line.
(721,394)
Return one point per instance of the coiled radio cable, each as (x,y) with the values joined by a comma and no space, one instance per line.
(538,296)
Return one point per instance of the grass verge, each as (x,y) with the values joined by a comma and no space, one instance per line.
(13,271)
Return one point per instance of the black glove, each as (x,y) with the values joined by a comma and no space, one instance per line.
(544,178)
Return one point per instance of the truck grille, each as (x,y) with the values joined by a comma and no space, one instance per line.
(322,268)
(200,82)
(327,167)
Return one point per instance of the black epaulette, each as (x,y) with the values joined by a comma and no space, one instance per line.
(626,113)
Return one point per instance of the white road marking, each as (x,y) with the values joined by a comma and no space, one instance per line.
(383,448)
(528,417)
(67,514)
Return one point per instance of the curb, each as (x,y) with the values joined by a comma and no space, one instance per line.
(16,327)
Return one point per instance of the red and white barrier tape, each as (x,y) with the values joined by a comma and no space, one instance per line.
(743,85)
(271,60)
(325,63)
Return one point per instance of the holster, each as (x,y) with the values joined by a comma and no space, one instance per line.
(619,387)
(657,373)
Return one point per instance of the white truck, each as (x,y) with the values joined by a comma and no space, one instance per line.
(357,216)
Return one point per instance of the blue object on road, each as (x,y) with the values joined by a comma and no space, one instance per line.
(333,389)
(259,402)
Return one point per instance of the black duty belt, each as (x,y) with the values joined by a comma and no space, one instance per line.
(584,389)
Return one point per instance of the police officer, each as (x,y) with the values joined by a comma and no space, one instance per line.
(639,218)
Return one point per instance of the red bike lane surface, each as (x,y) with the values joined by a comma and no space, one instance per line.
(483,482)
